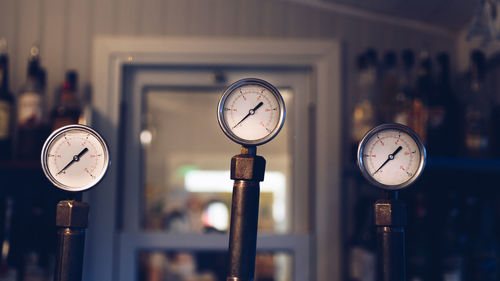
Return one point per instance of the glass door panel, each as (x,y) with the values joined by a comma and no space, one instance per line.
(186,158)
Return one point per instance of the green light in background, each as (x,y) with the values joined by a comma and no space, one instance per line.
(184,169)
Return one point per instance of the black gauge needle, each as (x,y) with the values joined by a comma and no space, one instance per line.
(250,112)
(76,158)
(389,158)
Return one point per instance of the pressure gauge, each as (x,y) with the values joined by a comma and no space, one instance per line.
(75,158)
(391,156)
(251,112)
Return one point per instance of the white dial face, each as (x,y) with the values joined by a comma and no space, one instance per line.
(391,157)
(252,113)
(75,158)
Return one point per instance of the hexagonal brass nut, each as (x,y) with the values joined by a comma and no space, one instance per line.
(248,167)
(71,213)
(390,213)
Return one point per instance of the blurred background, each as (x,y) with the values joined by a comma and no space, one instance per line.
(148,74)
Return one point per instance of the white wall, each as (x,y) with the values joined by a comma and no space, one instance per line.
(65,28)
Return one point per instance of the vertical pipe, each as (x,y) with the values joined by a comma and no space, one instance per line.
(247,171)
(70,245)
(243,232)
(71,219)
(390,220)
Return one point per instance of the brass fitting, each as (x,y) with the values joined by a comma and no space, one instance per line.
(71,213)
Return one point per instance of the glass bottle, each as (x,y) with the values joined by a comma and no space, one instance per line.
(30,111)
(419,245)
(424,88)
(390,87)
(374,72)
(364,117)
(67,110)
(403,100)
(484,264)
(442,123)
(495,120)
(477,108)
(7,271)
(452,246)
(6,105)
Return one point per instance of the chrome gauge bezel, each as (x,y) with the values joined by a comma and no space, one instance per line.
(229,132)
(56,134)
(391,126)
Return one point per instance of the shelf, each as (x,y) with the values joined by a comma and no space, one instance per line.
(486,165)
(20,166)
(447,164)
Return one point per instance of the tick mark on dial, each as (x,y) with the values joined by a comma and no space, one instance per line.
(88,172)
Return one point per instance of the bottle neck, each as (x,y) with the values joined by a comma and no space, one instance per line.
(4,75)
(68,97)
(476,82)
(408,77)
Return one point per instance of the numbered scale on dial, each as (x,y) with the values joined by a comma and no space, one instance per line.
(391,156)
(75,158)
(251,112)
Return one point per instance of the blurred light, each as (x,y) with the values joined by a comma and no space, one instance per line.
(184,169)
(217,216)
(146,137)
(220,181)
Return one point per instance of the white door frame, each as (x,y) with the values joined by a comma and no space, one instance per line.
(111,54)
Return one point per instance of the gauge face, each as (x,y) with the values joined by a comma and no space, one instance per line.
(251,112)
(391,156)
(75,158)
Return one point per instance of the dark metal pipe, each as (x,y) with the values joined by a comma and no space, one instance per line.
(391,252)
(243,232)
(70,245)
(390,220)
(72,219)
(247,171)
